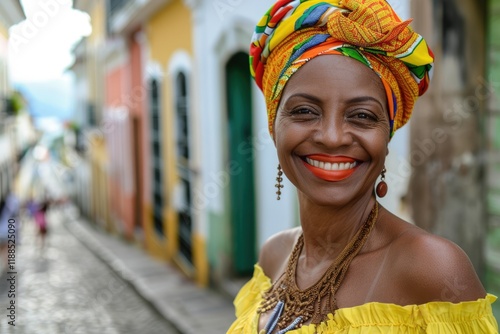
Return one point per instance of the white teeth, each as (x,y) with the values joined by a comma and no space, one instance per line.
(331,166)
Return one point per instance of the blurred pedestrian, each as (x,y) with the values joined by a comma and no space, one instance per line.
(9,215)
(40,216)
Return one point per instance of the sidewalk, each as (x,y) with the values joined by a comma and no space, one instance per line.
(192,310)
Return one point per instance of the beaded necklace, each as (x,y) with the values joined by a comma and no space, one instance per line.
(292,306)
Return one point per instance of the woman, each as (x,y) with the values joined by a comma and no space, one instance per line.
(339,78)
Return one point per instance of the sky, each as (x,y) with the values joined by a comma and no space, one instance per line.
(40,52)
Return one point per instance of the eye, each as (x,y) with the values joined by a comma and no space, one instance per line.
(303,111)
(363,115)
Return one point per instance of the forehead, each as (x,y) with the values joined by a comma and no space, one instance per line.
(338,75)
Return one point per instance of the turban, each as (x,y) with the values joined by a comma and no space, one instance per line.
(293,32)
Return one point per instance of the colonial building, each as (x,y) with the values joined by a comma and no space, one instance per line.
(92,165)
(11,145)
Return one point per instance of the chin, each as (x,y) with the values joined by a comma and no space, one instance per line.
(330,197)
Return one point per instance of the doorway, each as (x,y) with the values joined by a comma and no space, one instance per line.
(241,156)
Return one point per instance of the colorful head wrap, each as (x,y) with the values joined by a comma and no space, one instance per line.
(295,31)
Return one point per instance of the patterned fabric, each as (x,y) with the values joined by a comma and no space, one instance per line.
(293,32)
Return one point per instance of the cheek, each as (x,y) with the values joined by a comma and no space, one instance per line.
(376,142)
(281,134)
(282,142)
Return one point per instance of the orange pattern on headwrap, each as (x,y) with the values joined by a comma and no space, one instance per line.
(295,31)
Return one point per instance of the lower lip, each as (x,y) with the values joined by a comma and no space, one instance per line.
(330,175)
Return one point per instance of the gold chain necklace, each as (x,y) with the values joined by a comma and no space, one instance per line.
(298,306)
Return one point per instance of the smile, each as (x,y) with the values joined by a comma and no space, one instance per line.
(330,168)
(330,165)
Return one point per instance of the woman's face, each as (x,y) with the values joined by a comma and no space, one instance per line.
(332,129)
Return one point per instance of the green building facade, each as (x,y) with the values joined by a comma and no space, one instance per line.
(492,126)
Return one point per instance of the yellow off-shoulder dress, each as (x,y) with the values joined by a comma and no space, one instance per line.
(472,317)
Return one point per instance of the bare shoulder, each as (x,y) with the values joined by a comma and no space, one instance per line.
(432,268)
(276,250)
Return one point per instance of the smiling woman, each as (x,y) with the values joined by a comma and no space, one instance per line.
(339,78)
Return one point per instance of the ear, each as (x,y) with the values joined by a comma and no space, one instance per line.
(387,153)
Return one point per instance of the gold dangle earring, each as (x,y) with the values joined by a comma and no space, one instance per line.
(279,179)
(382,187)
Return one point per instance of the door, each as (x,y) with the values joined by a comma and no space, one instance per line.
(156,157)
(183,168)
(241,155)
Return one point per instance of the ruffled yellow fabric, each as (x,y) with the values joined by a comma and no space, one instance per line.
(375,318)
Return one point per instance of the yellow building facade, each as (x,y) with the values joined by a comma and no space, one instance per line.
(95,43)
(99,156)
(170,40)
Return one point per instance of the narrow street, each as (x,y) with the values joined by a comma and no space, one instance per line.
(63,288)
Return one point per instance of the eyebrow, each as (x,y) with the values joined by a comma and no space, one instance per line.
(357,99)
(306,96)
(365,99)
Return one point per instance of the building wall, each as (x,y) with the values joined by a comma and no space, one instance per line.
(4,32)
(137,101)
(396,163)
(493,124)
(492,131)
(118,121)
(92,177)
(446,189)
(12,131)
(4,35)
(95,59)
(168,33)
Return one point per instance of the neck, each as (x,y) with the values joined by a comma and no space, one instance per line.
(328,229)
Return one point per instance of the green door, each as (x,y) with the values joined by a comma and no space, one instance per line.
(242,192)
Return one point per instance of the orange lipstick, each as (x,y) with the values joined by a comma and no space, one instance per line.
(330,168)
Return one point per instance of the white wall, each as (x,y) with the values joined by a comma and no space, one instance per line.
(222,28)
(397,162)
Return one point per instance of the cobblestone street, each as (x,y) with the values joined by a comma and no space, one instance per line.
(64,288)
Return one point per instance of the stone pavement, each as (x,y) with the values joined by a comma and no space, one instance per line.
(63,288)
(192,310)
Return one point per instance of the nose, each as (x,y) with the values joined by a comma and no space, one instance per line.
(332,132)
